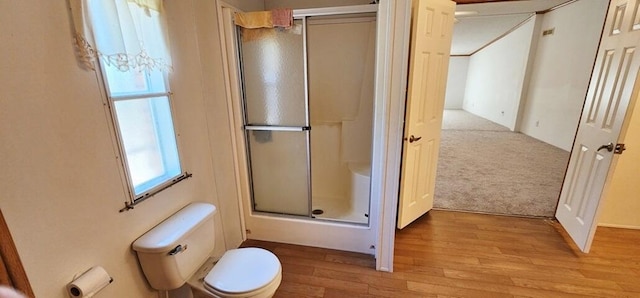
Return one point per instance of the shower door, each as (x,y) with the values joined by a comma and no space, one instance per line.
(276,118)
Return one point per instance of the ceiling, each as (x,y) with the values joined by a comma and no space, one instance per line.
(492,20)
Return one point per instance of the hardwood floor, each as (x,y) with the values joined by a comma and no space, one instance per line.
(453,254)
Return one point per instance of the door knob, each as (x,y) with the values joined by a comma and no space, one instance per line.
(414,139)
(609,147)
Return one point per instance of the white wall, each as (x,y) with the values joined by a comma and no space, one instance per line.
(561,72)
(496,77)
(456,82)
(60,181)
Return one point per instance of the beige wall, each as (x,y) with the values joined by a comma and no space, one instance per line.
(270,4)
(244,5)
(622,202)
(60,181)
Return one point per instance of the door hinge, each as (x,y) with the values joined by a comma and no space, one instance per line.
(619,148)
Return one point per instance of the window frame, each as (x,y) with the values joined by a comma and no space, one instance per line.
(110,101)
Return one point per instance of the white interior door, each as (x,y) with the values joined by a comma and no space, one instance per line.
(613,85)
(431,32)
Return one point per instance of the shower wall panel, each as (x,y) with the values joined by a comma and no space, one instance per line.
(330,176)
(337,52)
(341,55)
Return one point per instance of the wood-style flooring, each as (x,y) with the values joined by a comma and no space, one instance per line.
(454,254)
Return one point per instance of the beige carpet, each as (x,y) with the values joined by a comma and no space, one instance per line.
(483,167)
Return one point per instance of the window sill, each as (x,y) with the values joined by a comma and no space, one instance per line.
(139,199)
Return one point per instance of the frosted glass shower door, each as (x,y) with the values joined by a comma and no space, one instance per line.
(276,119)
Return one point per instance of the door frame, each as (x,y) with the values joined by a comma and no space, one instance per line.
(11,268)
(392,86)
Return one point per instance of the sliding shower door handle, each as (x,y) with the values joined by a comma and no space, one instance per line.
(414,139)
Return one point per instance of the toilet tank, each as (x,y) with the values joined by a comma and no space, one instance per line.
(173,250)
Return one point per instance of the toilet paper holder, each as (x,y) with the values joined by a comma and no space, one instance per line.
(89,283)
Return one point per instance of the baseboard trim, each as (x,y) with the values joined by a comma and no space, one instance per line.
(497,214)
(607,225)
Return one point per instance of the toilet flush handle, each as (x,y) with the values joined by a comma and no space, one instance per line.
(178,249)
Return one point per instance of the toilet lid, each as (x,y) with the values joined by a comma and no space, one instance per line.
(243,270)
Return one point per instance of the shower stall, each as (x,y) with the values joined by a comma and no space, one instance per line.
(308,104)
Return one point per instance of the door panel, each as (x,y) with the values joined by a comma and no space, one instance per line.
(612,86)
(276,119)
(279,171)
(432,24)
(274,76)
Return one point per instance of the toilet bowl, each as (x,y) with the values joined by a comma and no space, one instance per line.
(243,272)
(177,251)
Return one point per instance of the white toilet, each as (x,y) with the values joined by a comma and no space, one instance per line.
(172,252)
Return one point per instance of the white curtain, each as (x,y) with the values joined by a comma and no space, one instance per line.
(126,34)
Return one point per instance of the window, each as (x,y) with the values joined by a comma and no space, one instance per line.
(141,111)
(127,39)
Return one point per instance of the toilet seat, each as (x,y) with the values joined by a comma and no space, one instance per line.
(265,292)
(244,272)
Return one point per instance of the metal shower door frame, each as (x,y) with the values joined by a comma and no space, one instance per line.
(306,128)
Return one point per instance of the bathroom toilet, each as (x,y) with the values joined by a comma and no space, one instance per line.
(177,251)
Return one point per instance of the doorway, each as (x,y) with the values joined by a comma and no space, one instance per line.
(513,111)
